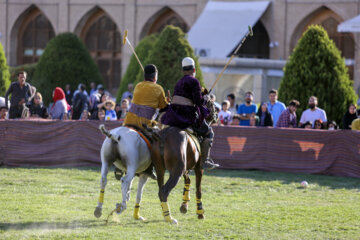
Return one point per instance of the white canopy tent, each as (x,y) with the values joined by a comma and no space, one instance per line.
(351,25)
(221,26)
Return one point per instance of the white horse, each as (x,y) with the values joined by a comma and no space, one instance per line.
(128,151)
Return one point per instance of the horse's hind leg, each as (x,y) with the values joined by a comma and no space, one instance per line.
(186,194)
(125,189)
(142,181)
(199,173)
(103,181)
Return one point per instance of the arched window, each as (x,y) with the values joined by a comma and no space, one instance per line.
(34,34)
(256,46)
(165,17)
(103,40)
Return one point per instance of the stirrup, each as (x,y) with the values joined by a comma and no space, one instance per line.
(118,173)
(209,164)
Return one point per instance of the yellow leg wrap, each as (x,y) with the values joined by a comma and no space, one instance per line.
(199,209)
(101,198)
(186,193)
(166,211)
(136,211)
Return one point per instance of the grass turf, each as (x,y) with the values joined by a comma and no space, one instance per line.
(58,203)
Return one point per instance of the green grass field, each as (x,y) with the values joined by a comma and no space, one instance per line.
(59,203)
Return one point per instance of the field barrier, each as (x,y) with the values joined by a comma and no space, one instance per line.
(47,143)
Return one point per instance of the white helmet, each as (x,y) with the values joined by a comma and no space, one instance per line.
(187,62)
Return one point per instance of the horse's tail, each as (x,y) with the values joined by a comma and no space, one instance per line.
(108,134)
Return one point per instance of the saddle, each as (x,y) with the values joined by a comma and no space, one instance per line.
(143,134)
(195,138)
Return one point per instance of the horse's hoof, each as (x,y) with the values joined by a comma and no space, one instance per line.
(140,218)
(183,208)
(97,212)
(201,216)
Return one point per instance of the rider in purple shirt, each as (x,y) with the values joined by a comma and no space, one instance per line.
(187,109)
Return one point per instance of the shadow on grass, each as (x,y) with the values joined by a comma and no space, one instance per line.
(51,225)
(333,182)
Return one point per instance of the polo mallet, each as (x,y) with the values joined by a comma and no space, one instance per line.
(250,32)
(126,40)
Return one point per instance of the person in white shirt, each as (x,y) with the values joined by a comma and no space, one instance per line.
(313,113)
(225,117)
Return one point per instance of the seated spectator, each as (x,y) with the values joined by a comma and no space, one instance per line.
(123,109)
(101,115)
(307,125)
(319,124)
(225,117)
(313,112)
(247,109)
(3,112)
(99,105)
(287,118)
(265,118)
(36,108)
(350,116)
(85,115)
(110,114)
(332,125)
(60,106)
(254,120)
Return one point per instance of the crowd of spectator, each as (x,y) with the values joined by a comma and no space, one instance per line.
(26,102)
(98,104)
(274,113)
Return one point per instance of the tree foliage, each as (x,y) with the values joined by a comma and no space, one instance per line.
(4,73)
(64,61)
(133,68)
(167,54)
(316,68)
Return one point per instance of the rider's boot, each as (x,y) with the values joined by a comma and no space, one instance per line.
(118,173)
(206,162)
(150,172)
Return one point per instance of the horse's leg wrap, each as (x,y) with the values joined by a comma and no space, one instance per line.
(166,211)
(199,210)
(101,197)
(186,194)
(136,211)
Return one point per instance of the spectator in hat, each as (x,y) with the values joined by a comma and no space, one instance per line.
(110,114)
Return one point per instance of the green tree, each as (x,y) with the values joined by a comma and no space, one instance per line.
(316,68)
(133,69)
(4,73)
(64,61)
(167,54)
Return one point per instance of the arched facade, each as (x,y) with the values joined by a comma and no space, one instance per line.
(102,38)
(32,32)
(166,16)
(329,20)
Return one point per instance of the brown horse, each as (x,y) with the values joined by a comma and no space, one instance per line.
(174,150)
